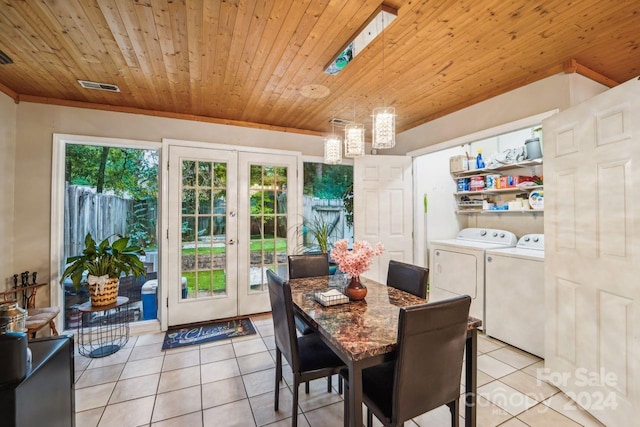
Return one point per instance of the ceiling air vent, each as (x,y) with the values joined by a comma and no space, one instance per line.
(4,58)
(339,122)
(100,86)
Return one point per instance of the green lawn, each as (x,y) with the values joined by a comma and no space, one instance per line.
(205,280)
(266,245)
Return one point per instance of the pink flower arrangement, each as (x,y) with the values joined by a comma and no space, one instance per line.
(356,261)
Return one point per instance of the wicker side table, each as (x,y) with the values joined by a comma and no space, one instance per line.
(102,330)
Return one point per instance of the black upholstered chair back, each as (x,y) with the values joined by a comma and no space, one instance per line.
(310,265)
(407,277)
(431,340)
(282,313)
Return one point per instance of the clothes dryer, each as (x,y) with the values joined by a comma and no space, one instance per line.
(515,294)
(457,265)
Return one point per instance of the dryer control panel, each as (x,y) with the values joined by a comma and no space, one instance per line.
(531,241)
(488,235)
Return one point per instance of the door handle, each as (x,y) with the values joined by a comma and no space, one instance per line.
(231,242)
(232,214)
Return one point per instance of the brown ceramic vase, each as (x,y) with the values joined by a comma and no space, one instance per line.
(355,290)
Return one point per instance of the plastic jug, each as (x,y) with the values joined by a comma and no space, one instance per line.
(479,161)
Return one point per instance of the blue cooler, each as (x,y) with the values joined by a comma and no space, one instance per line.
(149,300)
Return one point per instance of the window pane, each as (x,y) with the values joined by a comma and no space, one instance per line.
(188,173)
(204,201)
(204,174)
(112,191)
(327,205)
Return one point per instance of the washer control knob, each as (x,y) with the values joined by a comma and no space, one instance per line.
(502,235)
(526,239)
(483,232)
(535,239)
(495,234)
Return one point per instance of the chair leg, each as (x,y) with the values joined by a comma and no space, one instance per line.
(294,409)
(454,407)
(339,384)
(329,383)
(278,379)
(306,387)
(54,331)
(369,418)
(346,404)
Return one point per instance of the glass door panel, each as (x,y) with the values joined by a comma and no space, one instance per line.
(266,210)
(205,263)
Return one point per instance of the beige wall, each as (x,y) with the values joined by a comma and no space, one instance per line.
(559,91)
(8,110)
(36,124)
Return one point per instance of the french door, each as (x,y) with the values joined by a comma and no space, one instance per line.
(232,216)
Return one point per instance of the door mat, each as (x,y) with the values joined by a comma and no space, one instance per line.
(207,332)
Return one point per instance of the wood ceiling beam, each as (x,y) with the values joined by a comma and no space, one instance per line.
(572,66)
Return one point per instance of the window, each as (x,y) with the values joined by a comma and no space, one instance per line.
(110,191)
(327,205)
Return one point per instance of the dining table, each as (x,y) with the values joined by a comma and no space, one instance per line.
(364,333)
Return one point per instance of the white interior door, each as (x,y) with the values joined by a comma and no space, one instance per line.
(267,193)
(592,253)
(383,209)
(202,235)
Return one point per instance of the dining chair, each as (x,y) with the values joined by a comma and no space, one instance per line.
(309,265)
(407,277)
(426,371)
(309,358)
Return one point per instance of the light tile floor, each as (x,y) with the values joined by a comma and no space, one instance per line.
(230,383)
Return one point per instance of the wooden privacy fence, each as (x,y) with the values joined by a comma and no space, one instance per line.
(86,211)
(332,211)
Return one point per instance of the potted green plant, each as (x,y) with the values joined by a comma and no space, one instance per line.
(321,229)
(104,263)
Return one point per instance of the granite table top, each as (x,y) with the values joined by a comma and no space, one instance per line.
(361,329)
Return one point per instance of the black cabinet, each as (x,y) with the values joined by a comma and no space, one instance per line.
(45,397)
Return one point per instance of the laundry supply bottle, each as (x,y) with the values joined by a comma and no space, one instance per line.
(479,161)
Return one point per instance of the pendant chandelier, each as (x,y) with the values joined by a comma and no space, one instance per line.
(354,140)
(384,118)
(384,127)
(333,149)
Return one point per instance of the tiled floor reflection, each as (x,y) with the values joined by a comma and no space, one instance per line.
(230,383)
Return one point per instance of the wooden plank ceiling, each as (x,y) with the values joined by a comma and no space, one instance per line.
(250,61)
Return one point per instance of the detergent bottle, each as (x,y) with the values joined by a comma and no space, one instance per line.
(479,161)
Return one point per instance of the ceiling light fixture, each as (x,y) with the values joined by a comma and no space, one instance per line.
(99,86)
(333,148)
(384,118)
(354,140)
(364,35)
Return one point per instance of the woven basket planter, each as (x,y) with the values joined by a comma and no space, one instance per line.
(109,294)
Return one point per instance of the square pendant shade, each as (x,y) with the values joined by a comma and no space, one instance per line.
(384,128)
(354,140)
(332,150)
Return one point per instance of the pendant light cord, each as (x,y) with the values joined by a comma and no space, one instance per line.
(384,104)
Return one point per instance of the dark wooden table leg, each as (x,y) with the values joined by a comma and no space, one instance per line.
(355,394)
(471,380)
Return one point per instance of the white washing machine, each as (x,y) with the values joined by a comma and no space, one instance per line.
(515,294)
(457,265)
